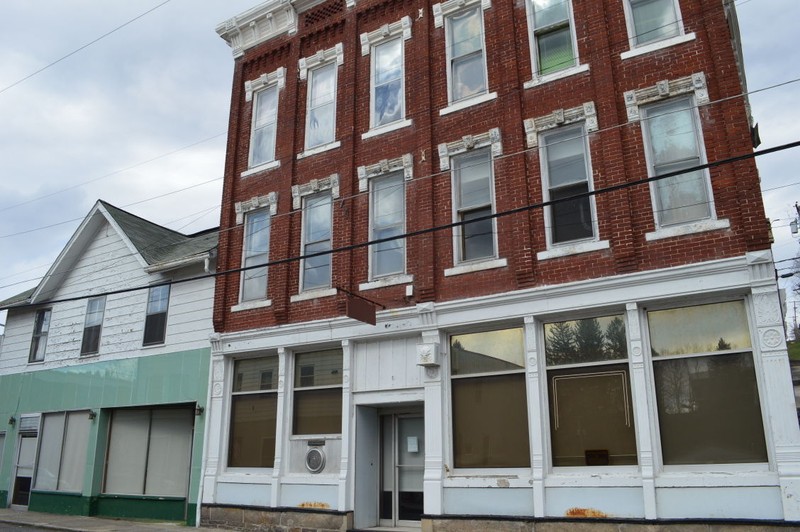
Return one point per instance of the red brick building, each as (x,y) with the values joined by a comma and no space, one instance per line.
(574,310)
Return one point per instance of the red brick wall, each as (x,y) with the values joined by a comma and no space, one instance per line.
(617,154)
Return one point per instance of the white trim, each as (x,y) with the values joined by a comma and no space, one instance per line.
(390,280)
(312,187)
(688,229)
(277,77)
(560,117)
(658,45)
(394,126)
(249,305)
(469,102)
(404,163)
(321,58)
(384,33)
(535,81)
(695,83)
(441,10)
(261,168)
(313,294)
(471,267)
(318,149)
(572,249)
(256,202)
(491,138)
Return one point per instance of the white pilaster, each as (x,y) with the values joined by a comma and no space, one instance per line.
(536,425)
(281,423)
(348,413)
(435,404)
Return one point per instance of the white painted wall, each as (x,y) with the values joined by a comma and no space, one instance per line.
(387,364)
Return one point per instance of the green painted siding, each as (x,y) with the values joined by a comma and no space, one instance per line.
(3,499)
(129,507)
(59,503)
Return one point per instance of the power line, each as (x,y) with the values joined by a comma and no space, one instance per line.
(419,232)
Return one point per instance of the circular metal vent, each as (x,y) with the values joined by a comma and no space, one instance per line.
(315,460)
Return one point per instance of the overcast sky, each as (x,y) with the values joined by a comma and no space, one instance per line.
(91,126)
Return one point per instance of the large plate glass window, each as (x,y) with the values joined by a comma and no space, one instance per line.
(318,393)
(490,414)
(41,327)
(466,54)
(62,451)
(588,381)
(254,407)
(709,410)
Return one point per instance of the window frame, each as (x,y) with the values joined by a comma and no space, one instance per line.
(534,32)
(65,424)
(373,204)
(451,99)
(459,211)
(312,72)
(373,78)
(87,350)
(39,337)
(547,188)
(646,110)
(305,243)
(148,314)
(248,217)
(630,23)
(273,124)
(297,374)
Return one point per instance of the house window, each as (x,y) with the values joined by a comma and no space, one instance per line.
(95,308)
(591,414)
(318,393)
(265,120)
(706,390)
(553,42)
(467,64)
(472,184)
(565,172)
(256,252)
(316,271)
(63,443)
(387,218)
(155,322)
(490,415)
(254,411)
(673,141)
(653,20)
(321,115)
(388,100)
(149,452)
(39,341)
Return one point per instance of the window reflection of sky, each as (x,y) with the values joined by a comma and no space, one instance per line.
(505,345)
(699,329)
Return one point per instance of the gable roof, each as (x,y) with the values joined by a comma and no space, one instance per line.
(155,247)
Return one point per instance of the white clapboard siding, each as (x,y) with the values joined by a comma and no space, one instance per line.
(386,364)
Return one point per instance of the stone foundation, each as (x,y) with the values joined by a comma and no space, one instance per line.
(276,519)
(466,524)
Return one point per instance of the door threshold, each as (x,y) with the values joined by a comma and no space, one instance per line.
(394,528)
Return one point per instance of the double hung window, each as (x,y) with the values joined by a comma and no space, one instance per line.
(318,393)
(591,413)
(155,322)
(254,408)
(265,120)
(62,451)
(41,327)
(553,42)
(473,198)
(321,114)
(387,219)
(466,56)
(388,101)
(706,389)
(95,309)
(256,252)
(653,20)
(673,140)
(490,415)
(317,212)
(565,169)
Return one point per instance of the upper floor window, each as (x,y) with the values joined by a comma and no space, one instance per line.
(553,39)
(95,309)
(473,198)
(317,233)
(155,322)
(565,172)
(465,50)
(321,114)
(591,412)
(673,142)
(388,94)
(256,252)
(387,219)
(706,388)
(254,411)
(318,393)
(653,20)
(490,415)
(39,341)
(265,121)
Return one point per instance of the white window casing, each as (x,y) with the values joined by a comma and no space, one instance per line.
(552,40)
(586,113)
(264,92)
(257,202)
(653,25)
(255,251)
(320,70)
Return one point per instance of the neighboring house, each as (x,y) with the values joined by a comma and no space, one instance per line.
(616,352)
(104,374)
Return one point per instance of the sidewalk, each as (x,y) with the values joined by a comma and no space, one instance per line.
(78,523)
